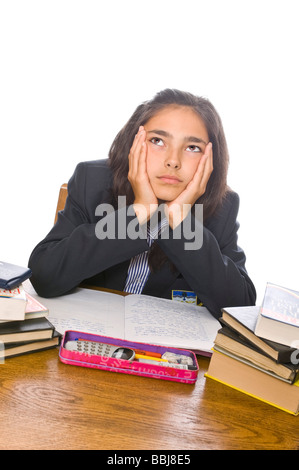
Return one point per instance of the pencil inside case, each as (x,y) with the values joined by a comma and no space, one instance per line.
(152,369)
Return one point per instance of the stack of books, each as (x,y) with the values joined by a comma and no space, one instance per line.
(24,326)
(257,349)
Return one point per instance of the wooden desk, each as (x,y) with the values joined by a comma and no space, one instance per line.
(45,404)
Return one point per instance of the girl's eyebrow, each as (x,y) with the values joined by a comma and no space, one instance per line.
(190,138)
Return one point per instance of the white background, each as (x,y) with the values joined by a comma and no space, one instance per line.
(72,73)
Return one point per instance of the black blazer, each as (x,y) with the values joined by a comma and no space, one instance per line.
(71,253)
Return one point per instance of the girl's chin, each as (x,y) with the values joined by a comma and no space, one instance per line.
(166,194)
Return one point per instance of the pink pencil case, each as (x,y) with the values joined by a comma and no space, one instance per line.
(173,372)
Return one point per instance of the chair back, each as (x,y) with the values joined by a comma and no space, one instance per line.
(61,200)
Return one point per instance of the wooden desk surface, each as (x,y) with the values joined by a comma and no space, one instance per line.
(45,404)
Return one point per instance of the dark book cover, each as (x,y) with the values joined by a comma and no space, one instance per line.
(36,328)
(243,320)
(12,276)
(241,347)
(21,348)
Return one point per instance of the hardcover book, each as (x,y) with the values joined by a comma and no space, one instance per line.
(254,382)
(12,304)
(278,318)
(16,349)
(231,343)
(12,276)
(243,320)
(29,330)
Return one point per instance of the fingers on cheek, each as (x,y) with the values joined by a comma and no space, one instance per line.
(135,144)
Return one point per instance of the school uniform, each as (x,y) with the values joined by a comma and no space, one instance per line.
(72,251)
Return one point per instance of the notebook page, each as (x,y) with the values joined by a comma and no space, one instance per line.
(169,323)
(86,310)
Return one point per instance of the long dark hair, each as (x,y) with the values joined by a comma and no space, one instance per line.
(118,155)
(217,186)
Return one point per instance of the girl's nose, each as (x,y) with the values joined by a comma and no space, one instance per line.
(173,161)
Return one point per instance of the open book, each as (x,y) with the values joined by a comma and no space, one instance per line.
(135,317)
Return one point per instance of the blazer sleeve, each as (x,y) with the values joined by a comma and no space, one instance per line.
(72,252)
(216,271)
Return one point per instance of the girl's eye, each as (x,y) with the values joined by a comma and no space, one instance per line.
(157,141)
(193,148)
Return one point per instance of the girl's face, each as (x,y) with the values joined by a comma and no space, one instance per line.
(176,139)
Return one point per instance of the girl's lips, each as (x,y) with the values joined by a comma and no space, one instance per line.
(169,179)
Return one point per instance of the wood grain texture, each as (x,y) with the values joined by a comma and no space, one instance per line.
(45,404)
(63,192)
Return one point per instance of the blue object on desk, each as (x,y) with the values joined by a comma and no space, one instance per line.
(12,276)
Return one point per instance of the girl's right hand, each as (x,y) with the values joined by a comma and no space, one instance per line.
(145,202)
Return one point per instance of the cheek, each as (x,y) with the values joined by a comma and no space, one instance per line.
(152,164)
(190,168)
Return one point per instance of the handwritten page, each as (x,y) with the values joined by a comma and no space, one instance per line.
(169,322)
(135,317)
(85,310)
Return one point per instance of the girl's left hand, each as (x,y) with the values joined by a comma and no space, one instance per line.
(178,209)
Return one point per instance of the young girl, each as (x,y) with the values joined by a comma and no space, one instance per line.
(172,153)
